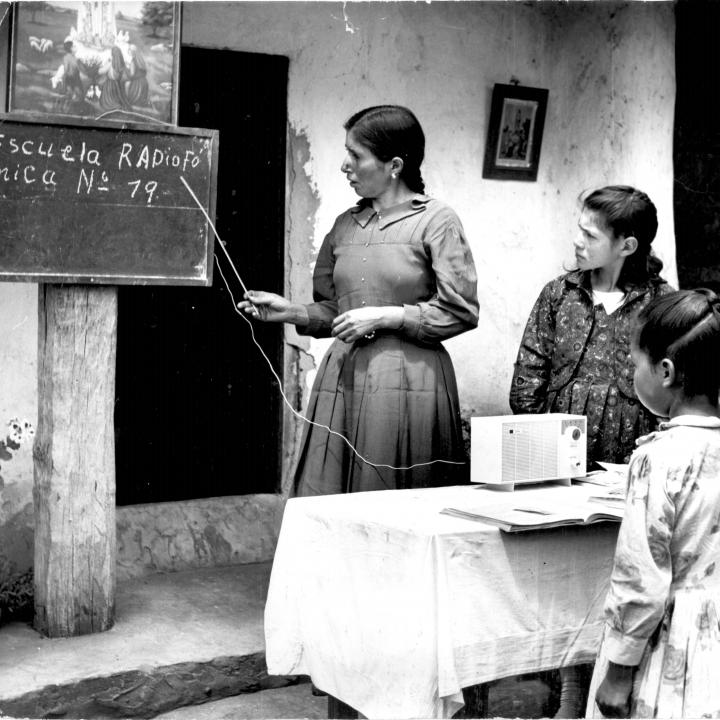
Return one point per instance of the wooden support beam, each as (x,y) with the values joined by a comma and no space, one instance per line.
(74,454)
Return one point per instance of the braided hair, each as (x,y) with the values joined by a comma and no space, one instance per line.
(390,131)
(684,326)
(626,212)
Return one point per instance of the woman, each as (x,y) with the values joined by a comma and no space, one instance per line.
(394,277)
(137,89)
(113,95)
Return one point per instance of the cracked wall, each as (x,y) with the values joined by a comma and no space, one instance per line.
(18,418)
(609,69)
(166,537)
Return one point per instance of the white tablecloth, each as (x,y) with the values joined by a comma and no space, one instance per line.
(393,607)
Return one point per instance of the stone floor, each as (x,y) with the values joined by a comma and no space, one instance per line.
(178,638)
(185,645)
(294,701)
(510,698)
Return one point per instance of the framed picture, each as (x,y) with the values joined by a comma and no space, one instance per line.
(114,61)
(517,118)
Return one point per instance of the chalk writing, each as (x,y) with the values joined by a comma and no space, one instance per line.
(150,188)
(58,158)
(148,157)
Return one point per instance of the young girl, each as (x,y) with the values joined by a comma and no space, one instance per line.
(661,646)
(575,353)
(574,356)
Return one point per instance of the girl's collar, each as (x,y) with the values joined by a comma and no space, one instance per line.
(581,278)
(705,421)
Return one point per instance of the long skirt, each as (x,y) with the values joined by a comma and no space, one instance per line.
(678,674)
(396,403)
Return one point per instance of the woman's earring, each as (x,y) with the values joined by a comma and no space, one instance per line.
(394,175)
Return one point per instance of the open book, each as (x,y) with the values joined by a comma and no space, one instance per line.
(519,515)
(612,475)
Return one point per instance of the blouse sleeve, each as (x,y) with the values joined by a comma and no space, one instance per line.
(324,309)
(642,571)
(531,375)
(453,308)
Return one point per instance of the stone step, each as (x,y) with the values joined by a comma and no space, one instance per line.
(179,639)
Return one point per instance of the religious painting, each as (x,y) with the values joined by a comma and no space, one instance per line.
(98,60)
(517,119)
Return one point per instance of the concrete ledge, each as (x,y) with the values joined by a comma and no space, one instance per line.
(146,693)
(205,533)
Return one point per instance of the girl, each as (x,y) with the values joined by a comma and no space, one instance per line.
(575,353)
(661,645)
(574,356)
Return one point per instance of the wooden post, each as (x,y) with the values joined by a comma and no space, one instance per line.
(74,456)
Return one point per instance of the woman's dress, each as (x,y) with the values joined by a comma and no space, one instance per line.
(112,96)
(137,89)
(664,601)
(393,396)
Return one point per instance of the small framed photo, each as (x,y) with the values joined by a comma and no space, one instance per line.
(108,60)
(517,119)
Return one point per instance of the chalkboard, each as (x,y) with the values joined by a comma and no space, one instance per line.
(104,204)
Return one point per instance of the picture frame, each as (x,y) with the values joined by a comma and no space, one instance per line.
(515,131)
(115,61)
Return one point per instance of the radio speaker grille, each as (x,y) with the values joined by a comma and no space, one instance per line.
(528,451)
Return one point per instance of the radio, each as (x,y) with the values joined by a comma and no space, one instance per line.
(510,449)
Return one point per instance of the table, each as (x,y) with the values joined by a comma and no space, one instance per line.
(393,607)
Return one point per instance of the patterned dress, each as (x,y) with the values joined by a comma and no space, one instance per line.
(662,609)
(574,357)
(394,396)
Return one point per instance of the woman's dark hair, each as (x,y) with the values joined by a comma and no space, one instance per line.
(390,131)
(684,326)
(627,212)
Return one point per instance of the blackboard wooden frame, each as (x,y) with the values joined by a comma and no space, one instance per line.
(127,220)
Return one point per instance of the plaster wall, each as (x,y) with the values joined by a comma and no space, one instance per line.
(18,405)
(609,68)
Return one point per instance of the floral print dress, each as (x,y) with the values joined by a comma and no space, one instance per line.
(614,420)
(662,609)
(574,357)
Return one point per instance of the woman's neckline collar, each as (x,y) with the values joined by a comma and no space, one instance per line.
(363,212)
(416,199)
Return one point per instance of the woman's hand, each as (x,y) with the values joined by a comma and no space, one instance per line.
(613,694)
(270,307)
(355,324)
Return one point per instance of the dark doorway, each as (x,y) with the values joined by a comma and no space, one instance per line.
(197,411)
(697,144)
